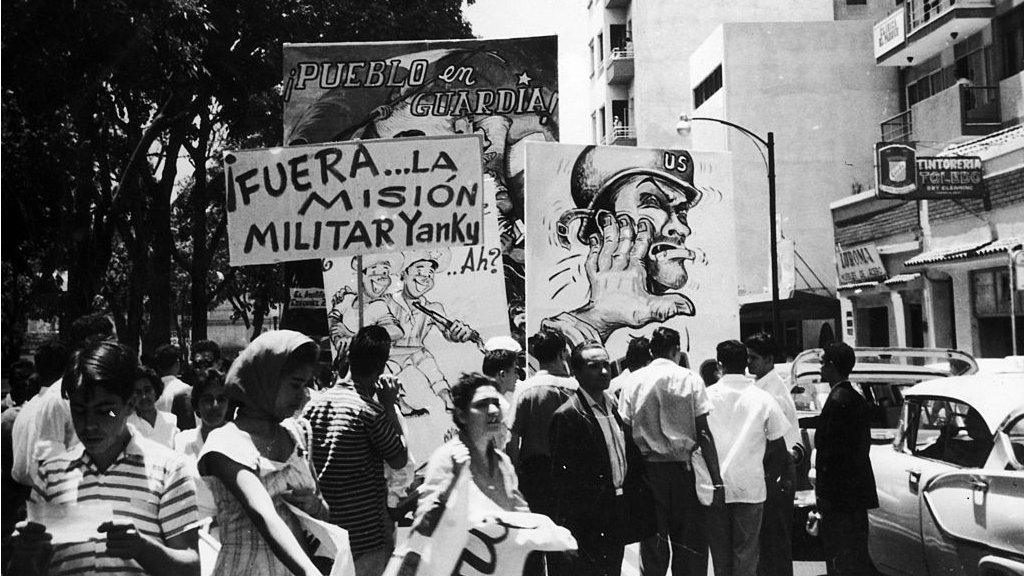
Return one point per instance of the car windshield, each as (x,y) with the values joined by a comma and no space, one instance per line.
(880,373)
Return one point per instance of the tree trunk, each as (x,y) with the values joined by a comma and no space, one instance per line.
(201,250)
(158,219)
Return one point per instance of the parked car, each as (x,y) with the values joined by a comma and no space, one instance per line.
(881,374)
(951,483)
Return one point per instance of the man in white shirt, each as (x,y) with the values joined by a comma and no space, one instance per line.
(667,407)
(176,397)
(744,420)
(43,427)
(777,520)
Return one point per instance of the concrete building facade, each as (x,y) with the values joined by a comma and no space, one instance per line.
(947,276)
(801,69)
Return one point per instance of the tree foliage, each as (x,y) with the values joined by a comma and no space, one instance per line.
(115,113)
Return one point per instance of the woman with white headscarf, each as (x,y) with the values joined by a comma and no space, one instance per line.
(258,463)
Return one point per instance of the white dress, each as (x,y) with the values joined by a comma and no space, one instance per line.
(243,550)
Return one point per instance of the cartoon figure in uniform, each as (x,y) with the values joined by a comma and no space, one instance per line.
(378,305)
(411,360)
(633,216)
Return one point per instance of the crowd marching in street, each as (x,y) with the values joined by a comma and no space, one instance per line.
(692,465)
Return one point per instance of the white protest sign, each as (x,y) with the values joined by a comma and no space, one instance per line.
(345,198)
(71,522)
(332,542)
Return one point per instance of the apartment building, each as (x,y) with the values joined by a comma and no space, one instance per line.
(944,272)
(802,70)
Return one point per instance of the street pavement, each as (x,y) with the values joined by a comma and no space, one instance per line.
(631,565)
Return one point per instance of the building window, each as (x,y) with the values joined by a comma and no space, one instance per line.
(973,60)
(1010,33)
(856,2)
(707,87)
(929,79)
(593,55)
(990,293)
(600,51)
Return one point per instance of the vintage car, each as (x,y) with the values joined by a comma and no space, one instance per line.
(951,483)
(881,374)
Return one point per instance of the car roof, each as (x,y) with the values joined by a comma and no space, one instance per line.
(994,396)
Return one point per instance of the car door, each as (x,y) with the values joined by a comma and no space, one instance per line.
(973,512)
(901,470)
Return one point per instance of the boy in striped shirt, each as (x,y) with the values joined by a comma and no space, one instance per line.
(150,489)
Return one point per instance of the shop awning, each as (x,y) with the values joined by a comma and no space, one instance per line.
(964,252)
(894,280)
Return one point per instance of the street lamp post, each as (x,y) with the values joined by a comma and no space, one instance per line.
(683,127)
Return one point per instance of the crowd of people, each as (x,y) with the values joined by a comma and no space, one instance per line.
(690,465)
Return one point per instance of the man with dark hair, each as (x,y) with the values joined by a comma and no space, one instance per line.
(206,354)
(355,431)
(149,489)
(777,520)
(501,364)
(534,403)
(638,355)
(44,427)
(176,397)
(744,420)
(667,407)
(845,485)
(596,468)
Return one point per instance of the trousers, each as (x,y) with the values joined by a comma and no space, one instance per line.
(680,540)
(733,537)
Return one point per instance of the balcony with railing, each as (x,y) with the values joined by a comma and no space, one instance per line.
(618,67)
(955,113)
(899,128)
(920,29)
(621,136)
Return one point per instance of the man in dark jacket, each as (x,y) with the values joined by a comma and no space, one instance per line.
(600,495)
(845,485)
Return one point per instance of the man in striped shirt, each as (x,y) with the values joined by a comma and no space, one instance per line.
(153,527)
(353,436)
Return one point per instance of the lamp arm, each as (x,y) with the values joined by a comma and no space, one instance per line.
(736,126)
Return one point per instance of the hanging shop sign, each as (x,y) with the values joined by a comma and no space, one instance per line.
(895,169)
(903,175)
(859,264)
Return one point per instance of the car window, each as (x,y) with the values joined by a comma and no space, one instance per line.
(1015,432)
(949,431)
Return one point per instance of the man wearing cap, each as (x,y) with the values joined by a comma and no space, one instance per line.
(634,220)
(417,315)
(845,485)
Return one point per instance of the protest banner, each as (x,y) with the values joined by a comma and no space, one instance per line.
(505,89)
(677,272)
(310,298)
(74,522)
(366,197)
(327,541)
(439,306)
(469,535)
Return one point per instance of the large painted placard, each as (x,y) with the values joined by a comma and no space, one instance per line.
(505,90)
(325,200)
(623,240)
(439,306)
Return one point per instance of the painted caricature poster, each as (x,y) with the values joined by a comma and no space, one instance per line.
(439,306)
(505,90)
(623,240)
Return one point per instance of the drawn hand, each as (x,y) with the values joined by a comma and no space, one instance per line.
(459,331)
(618,277)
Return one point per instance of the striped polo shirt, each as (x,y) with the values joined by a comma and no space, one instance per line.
(352,438)
(149,485)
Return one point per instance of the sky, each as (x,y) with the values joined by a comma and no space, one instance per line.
(564,18)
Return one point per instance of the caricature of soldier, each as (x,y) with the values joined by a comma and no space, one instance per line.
(418,315)
(378,305)
(633,217)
